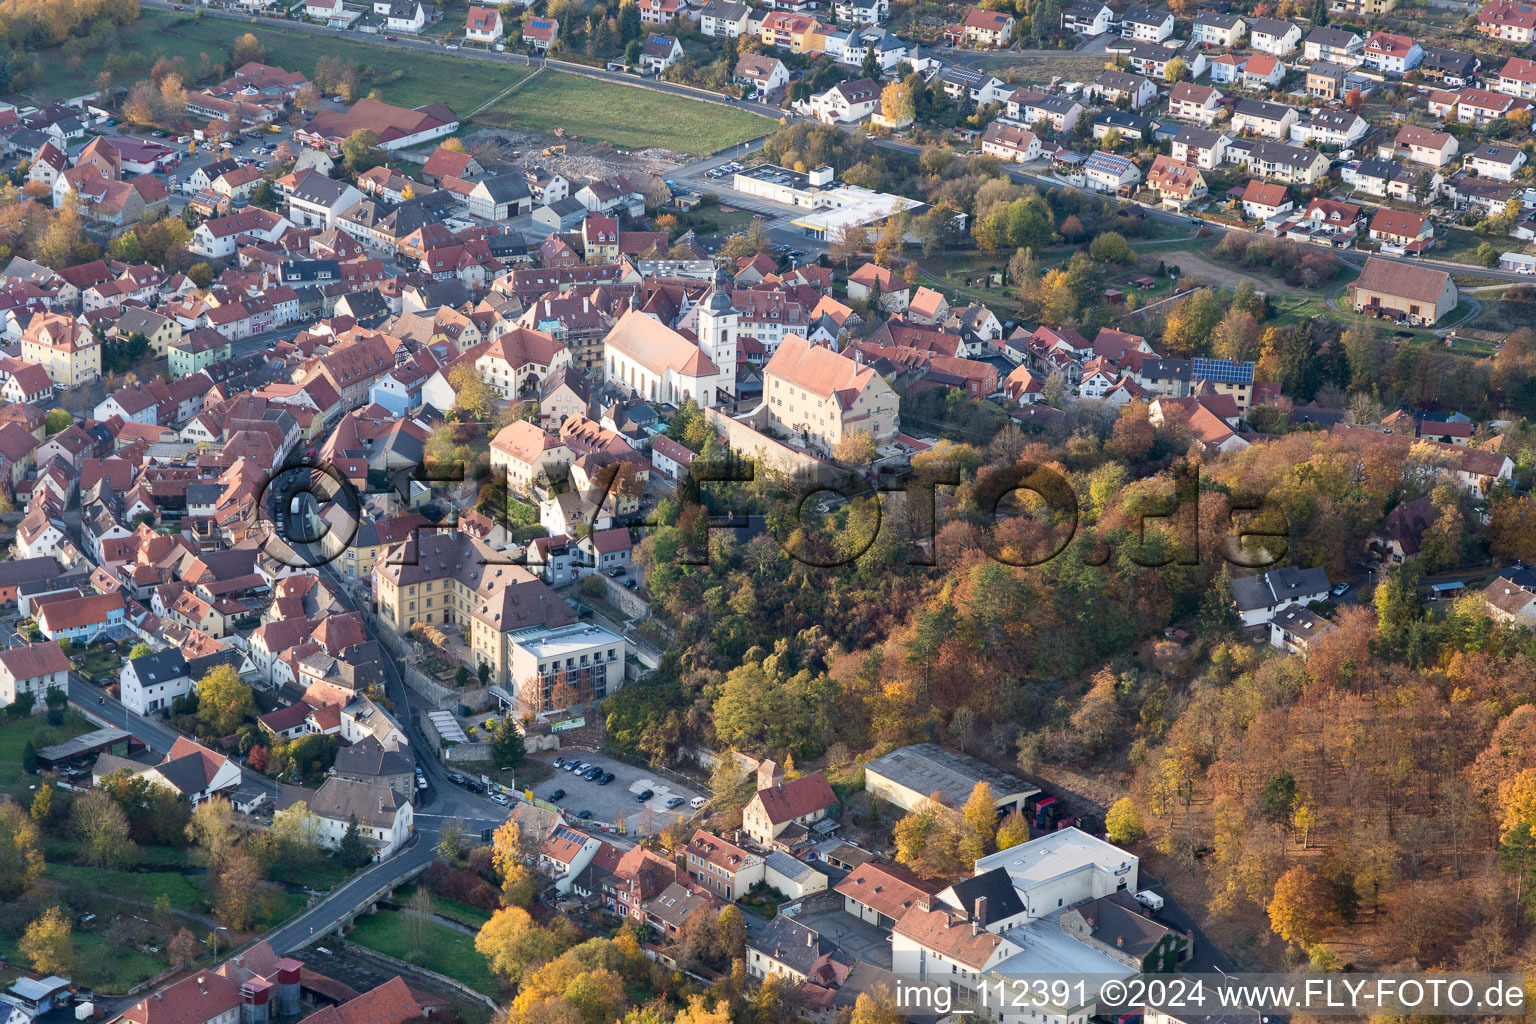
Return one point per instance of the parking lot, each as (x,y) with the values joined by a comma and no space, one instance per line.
(616,802)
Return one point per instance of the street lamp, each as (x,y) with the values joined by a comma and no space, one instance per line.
(213,939)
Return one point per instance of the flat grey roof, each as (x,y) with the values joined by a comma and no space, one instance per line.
(928,767)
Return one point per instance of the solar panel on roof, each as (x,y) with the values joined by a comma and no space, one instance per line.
(1222,370)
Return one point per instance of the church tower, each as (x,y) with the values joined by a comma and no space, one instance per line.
(717,332)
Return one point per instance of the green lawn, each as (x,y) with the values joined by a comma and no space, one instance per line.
(103,965)
(443,950)
(408,78)
(463,913)
(14,735)
(147,886)
(100,963)
(624,115)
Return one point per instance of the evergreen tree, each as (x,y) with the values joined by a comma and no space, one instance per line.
(354,852)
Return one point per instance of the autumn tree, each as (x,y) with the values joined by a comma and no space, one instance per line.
(980,814)
(360,152)
(1123,822)
(213,828)
(1300,908)
(897,103)
(511,942)
(473,398)
(246,48)
(223,700)
(239,879)
(876,1005)
(298,832)
(182,949)
(102,829)
(510,859)
(21,860)
(1012,831)
(48,945)
(931,840)
(855,448)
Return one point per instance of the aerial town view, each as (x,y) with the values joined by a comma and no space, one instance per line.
(715,512)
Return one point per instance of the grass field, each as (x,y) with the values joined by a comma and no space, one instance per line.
(463,913)
(408,78)
(1015,67)
(14,735)
(443,950)
(624,115)
(100,963)
(181,890)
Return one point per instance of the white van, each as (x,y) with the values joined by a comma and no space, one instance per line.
(698,802)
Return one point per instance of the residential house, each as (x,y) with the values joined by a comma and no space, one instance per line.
(784,811)
(1334,45)
(984,28)
(1107,172)
(1420,145)
(1273,36)
(483,25)
(1088,18)
(1146,24)
(1190,102)
(1495,160)
(1392,54)
(1399,231)
(1010,142)
(1216,29)
(1326,81)
(1177,184)
(1205,149)
(1512,21)
(35,669)
(1420,295)
(1270,120)
(1257,598)
(1265,200)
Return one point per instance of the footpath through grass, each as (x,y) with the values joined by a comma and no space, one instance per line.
(624,115)
(441,948)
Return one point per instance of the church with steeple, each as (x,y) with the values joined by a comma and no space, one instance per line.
(659,364)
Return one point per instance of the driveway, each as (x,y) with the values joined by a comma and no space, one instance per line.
(859,938)
(616,802)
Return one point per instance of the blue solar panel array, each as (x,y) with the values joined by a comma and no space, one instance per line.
(1222,370)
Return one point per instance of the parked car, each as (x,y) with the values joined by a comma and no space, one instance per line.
(607,777)
(583,815)
(644,796)
(557,795)
(615,573)
(697,802)
(456,778)
(500,798)
(1341,589)
(559,762)
(673,801)
(631,585)
(595,773)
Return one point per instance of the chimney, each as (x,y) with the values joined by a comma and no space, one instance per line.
(810,937)
(975,927)
(981,909)
(1120,941)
